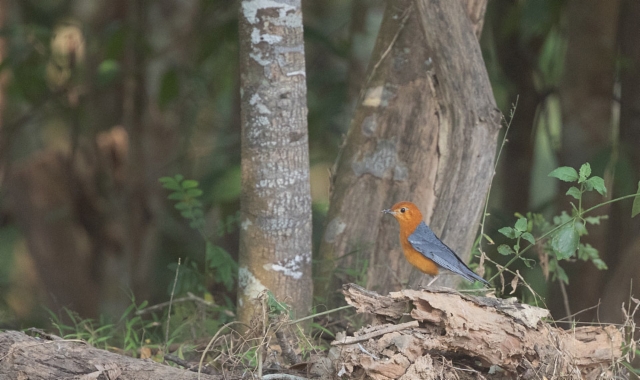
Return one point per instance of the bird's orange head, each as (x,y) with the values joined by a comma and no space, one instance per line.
(407,214)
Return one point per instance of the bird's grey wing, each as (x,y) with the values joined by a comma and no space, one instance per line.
(427,243)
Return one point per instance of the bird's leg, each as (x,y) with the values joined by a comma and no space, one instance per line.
(433,280)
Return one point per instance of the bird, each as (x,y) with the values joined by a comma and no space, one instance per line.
(423,249)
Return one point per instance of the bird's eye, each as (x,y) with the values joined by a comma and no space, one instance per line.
(403,210)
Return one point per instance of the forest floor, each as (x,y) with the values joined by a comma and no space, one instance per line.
(434,333)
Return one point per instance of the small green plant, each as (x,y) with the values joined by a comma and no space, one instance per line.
(560,238)
(186,193)
(219,265)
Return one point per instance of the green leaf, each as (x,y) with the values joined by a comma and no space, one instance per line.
(194,192)
(574,192)
(189,184)
(176,196)
(221,262)
(188,214)
(488,239)
(585,172)
(528,262)
(598,184)
(521,224)
(588,252)
(635,209)
(505,250)
(170,183)
(594,219)
(565,242)
(528,237)
(599,264)
(508,232)
(182,206)
(197,223)
(581,229)
(565,173)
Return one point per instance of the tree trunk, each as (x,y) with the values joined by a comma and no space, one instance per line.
(516,55)
(4,77)
(425,131)
(585,96)
(275,236)
(623,243)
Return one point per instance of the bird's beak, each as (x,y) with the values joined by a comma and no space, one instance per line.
(388,212)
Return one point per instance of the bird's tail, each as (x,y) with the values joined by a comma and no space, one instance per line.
(472,276)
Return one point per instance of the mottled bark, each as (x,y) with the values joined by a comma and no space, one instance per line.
(25,357)
(424,131)
(476,10)
(623,240)
(485,331)
(585,97)
(357,60)
(275,236)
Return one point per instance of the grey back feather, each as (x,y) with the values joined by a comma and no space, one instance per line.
(427,243)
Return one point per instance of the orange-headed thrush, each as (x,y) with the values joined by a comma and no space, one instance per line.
(421,246)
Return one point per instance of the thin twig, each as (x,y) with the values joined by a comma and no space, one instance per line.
(386,330)
(319,314)
(173,290)
(576,313)
(190,297)
(190,366)
(282,376)
(483,255)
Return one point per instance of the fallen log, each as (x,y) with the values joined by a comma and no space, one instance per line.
(474,335)
(25,357)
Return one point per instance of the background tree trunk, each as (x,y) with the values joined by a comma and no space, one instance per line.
(4,77)
(425,131)
(623,238)
(275,236)
(517,56)
(586,103)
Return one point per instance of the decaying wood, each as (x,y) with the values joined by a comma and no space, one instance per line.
(480,334)
(25,357)
(381,331)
